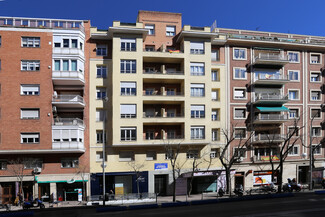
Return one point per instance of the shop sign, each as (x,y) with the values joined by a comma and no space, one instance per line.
(119,189)
(161,166)
(203,174)
(267,158)
(262,179)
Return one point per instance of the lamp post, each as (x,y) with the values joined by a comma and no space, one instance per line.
(104,142)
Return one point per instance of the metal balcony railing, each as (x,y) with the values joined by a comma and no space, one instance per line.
(68,99)
(271,96)
(268,137)
(159,137)
(174,115)
(271,117)
(271,57)
(68,122)
(158,93)
(271,76)
(163,73)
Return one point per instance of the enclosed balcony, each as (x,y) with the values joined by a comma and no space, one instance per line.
(68,77)
(68,101)
(270,78)
(68,135)
(268,138)
(270,58)
(270,118)
(270,98)
(265,154)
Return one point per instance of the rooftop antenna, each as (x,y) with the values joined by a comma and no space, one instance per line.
(257,28)
(214,25)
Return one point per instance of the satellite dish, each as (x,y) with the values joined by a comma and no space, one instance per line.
(71,181)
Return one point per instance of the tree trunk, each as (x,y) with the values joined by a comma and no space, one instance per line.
(174,185)
(280,177)
(83,190)
(228,180)
(191,185)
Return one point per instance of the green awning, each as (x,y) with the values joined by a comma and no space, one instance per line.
(273,109)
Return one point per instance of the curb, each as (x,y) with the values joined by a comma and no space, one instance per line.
(17,213)
(320,192)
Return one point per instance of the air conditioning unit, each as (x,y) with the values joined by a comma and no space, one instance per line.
(240,159)
(37,170)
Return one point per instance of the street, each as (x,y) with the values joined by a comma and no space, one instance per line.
(302,204)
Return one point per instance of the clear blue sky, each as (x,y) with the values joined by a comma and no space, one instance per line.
(293,16)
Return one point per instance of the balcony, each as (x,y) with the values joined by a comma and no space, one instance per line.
(156,72)
(270,119)
(270,79)
(68,101)
(271,59)
(270,98)
(268,138)
(76,52)
(68,135)
(68,77)
(259,158)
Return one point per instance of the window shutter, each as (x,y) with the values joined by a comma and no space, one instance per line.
(197,45)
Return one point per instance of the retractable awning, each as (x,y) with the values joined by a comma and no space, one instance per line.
(273,109)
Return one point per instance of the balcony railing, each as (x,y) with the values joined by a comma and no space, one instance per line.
(164,73)
(271,96)
(271,57)
(68,122)
(271,117)
(268,137)
(177,115)
(68,75)
(68,99)
(161,138)
(171,51)
(265,158)
(166,93)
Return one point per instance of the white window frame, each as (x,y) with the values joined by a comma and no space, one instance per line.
(196,89)
(103,71)
(239,88)
(100,115)
(100,136)
(320,112)
(99,156)
(130,44)
(315,72)
(200,130)
(197,69)
(193,154)
(101,50)
(128,156)
(61,61)
(74,162)
(30,42)
(319,147)
(150,28)
(294,52)
(35,111)
(217,91)
(215,117)
(128,90)
(32,163)
(239,48)
(30,93)
(131,63)
(298,113)
(234,150)
(130,130)
(30,65)
(288,131)
(298,93)
(294,71)
(215,75)
(320,58)
(239,108)
(129,114)
(320,95)
(170,31)
(32,138)
(214,153)
(197,47)
(151,155)
(234,73)
(320,130)
(197,111)
(240,128)
(101,93)
(214,132)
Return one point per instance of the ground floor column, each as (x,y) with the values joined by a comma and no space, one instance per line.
(53,191)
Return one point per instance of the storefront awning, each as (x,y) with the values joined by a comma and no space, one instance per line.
(61,181)
(273,109)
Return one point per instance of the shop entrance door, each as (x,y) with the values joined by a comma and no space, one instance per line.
(6,194)
(161,184)
(239,179)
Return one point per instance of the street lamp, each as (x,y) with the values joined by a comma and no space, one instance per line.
(104,141)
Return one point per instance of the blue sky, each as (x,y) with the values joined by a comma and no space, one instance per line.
(293,16)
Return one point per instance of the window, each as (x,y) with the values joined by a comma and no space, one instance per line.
(293,75)
(128,133)
(100,93)
(101,71)
(215,75)
(171,134)
(151,155)
(3,164)
(240,133)
(215,54)
(29,138)
(31,163)
(315,95)
(240,152)
(294,94)
(65,65)
(58,24)
(215,134)
(197,132)
(315,113)
(27,113)
(315,58)
(30,41)
(69,163)
(128,44)
(57,44)
(215,153)
(215,115)
(57,65)
(239,73)
(100,136)
(294,113)
(66,43)
(239,54)
(197,69)
(150,48)
(170,30)
(128,66)
(192,154)
(197,47)
(151,28)
(30,65)
(169,154)
(215,95)
(99,156)
(29,89)
(239,93)
(197,90)
(74,43)
(128,110)
(197,111)
(126,156)
(128,88)
(293,57)
(240,113)
(317,149)
(100,114)
(101,50)
(293,131)
(315,77)
(73,65)
(316,131)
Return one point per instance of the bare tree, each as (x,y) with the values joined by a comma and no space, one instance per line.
(137,169)
(82,170)
(240,143)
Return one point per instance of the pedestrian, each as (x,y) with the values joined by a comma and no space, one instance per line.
(323,183)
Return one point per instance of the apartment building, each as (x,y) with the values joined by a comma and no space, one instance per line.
(43,107)
(274,81)
(157,85)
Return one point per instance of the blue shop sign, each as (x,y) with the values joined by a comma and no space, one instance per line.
(161,166)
